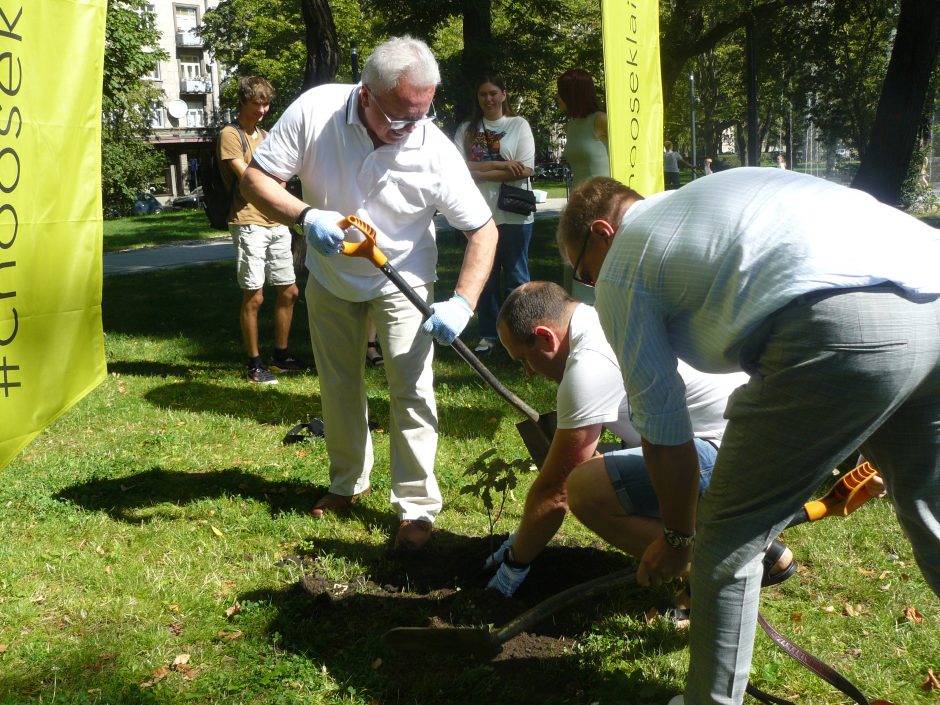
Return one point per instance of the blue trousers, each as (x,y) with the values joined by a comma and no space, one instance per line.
(510,269)
(832,373)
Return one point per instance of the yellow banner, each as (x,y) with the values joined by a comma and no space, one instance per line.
(51,340)
(634,93)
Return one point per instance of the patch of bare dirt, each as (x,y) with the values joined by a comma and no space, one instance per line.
(443,588)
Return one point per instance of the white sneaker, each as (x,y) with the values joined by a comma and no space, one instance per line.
(678,700)
(485,346)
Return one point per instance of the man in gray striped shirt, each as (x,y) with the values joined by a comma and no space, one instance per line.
(830,301)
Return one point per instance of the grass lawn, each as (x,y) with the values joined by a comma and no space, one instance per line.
(158,548)
(166,228)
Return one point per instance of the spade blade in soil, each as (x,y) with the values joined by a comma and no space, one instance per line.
(452,640)
(537,436)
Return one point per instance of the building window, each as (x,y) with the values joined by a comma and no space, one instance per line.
(195,114)
(186,18)
(157,118)
(190,66)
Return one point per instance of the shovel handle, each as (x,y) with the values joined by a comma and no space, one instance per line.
(847,495)
(368,249)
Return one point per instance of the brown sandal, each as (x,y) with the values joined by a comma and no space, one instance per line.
(331,503)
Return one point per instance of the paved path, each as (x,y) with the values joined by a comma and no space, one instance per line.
(216,249)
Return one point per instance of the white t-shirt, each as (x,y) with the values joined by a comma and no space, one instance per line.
(592,389)
(395,187)
(502,140)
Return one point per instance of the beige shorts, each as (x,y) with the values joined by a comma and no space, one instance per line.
(262,255)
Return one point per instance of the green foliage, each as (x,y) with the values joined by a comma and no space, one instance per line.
(269,42)
(494,476)
(128,164)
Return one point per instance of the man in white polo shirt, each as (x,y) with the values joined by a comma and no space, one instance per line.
(372,150)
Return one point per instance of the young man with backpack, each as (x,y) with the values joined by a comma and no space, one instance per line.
(263,247)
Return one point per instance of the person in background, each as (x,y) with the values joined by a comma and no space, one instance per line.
(830,301)
(373,150)
(499,148)
(671,163)
(263,245)
(781,161)
(555,336)
(586,149)
(707,168)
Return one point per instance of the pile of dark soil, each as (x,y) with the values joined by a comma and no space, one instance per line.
(341,624)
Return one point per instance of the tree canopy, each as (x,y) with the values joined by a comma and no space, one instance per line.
(821,66)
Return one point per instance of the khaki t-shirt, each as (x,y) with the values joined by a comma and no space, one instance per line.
(230,147)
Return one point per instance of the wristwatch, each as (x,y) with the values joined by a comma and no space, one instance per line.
(678,540)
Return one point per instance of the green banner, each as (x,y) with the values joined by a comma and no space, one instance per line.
(51,339)
(634,93)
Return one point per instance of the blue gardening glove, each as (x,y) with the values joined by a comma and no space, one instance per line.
(507,579)
(322,232)
(497,556)
(448,319)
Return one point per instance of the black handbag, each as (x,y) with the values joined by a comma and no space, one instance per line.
(511,198)
(516,200)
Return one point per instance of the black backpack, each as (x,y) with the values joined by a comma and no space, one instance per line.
(216,198)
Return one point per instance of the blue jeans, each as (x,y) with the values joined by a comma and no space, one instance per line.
(511,266)
(632,483)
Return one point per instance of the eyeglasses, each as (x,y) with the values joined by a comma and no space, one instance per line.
(402,125)
(585,279)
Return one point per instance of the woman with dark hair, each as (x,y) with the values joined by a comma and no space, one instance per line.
(586,129)
(499,148)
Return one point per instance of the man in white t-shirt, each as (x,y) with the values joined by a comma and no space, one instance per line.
(372,150)
(555,336)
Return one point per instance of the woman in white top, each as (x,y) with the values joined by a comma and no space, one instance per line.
(499,148)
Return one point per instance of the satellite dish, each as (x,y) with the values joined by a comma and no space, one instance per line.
(176,108)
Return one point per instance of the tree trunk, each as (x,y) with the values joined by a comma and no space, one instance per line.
(901,106)
(477,52)
(322,45)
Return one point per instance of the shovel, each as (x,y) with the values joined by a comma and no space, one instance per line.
(538,429)
(843,499)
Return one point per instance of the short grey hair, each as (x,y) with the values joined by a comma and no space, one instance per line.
(398,58)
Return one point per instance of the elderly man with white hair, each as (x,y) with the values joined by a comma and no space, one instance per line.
(372,150)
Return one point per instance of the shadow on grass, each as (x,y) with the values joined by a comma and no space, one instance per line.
(341,625)
(138,498)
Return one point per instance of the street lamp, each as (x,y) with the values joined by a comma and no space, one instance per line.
(692,99)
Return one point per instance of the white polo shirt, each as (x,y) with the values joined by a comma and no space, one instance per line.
(396,187)
(592,389)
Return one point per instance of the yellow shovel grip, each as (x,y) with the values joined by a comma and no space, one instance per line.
(846,495)
(367,249)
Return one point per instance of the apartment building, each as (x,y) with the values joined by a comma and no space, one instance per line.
(186,119)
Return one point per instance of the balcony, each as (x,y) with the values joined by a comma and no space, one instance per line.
(199,86)
(188,38)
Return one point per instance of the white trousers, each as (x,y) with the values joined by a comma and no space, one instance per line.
(338,334)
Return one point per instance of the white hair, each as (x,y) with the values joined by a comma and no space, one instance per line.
(398,58)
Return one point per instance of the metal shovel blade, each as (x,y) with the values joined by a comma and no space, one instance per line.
(537,435)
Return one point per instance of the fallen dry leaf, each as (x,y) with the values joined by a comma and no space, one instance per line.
(884,574)
(931,682)
(217,532)
(181,660)
(829,609)
(229,636)
(233,610)
(173,608)
(865,571)
(851,610)
(3,648)
(651,614)
(913,615)
(158,675)
(176,628)
(796,616)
